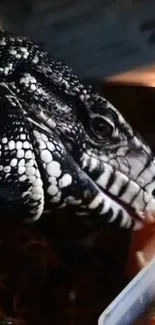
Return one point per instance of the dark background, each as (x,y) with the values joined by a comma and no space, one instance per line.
(96,37)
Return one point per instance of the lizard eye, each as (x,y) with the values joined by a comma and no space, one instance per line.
(101,127)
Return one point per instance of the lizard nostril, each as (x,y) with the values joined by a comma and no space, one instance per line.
(153,192)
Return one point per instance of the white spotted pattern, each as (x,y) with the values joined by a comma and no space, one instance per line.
(20,153)
(4,140)
(28,154)
(65,180)
(54,169)
(30,171)
(7,169)
(50,146)
(26,145)
(13,162)
(21,170)
(11,145)
(46,156)
(52,190)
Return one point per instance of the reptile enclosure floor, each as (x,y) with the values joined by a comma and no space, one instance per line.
(60,282)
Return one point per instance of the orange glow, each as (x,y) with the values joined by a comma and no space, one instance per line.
(143,76)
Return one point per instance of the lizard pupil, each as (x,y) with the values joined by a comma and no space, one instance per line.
(101,127)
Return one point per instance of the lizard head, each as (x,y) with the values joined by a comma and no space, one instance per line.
(83,148)
(114,156)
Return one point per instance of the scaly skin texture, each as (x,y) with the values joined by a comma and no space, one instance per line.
(62,144)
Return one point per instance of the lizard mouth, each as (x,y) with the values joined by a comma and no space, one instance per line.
(140,216)
(137,216)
